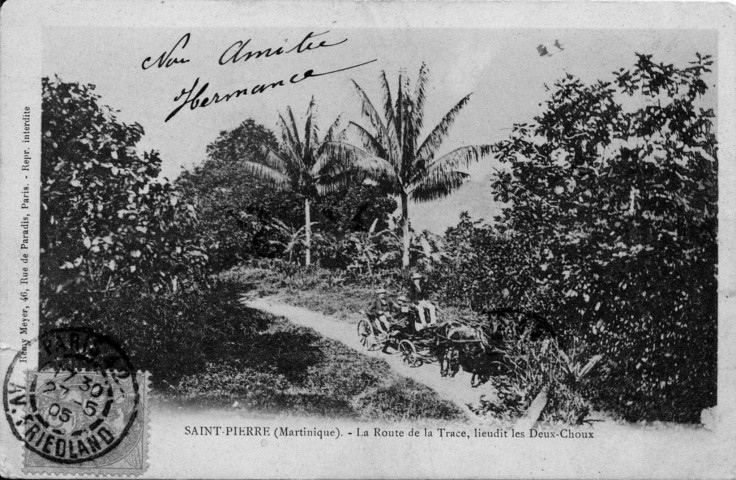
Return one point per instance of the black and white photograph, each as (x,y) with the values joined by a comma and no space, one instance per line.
(396,248)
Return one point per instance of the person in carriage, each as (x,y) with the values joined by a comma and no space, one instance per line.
(387,314)
(380,310)
(426,310)
(403,317)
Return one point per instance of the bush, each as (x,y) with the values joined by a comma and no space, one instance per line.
(108,223)
(174,334)
(534,365)
(609,228)
(205,349)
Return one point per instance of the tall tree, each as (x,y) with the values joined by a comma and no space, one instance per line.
(393,154)
(614,189)
(109,225)
(244,141)
(303,164)
(234,208)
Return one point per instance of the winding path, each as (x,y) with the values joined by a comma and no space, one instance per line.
(456,389)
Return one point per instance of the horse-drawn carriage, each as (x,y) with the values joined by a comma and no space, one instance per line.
(475,345)
(415,342)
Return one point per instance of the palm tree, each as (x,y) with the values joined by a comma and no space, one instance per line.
(302,165)
(393,155)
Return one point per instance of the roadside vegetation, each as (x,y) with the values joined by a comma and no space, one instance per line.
(607,239)
(207,350)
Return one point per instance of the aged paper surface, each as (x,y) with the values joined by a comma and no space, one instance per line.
(542,288)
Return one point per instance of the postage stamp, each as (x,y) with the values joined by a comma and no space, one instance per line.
(83,411)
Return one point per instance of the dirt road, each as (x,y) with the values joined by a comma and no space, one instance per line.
(456,390)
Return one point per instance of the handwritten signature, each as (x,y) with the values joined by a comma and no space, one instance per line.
(197,100)
(165,60)
(194,97)
(234,53)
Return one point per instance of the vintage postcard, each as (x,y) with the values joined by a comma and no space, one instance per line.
(336,239)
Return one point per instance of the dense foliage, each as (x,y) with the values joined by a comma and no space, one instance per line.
(303,165)
(609,228)
(242,217)
(246,141)
(107,222)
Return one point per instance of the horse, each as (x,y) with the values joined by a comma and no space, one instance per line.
(528,323)
(469,348)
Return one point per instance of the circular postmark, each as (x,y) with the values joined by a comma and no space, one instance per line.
(80,403)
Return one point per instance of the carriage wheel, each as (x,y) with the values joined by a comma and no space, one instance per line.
(366,335)
(409,353)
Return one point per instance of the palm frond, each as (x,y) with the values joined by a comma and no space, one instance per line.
(294,128)
(350,155)
(338,178)
(420,95)
(337,174)
(370,141)
(267,174)
(332,132)
(333,135)
(310,126)
(369,111)
(438,185)
(335,158)
(388,111)
(336,182)
(322,163)
(343,153)
(354,162)
(434,139)
(411,132)
(377,168)
(291,145)
(273,160)
(399,118)
(461,157)
(388,104)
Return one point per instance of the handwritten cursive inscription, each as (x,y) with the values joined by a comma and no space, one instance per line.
(165,60)
(234,53)
(188,97)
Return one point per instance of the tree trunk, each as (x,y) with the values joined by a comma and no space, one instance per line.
(405,227)
(308,231)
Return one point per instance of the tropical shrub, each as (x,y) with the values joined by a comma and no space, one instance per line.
(608,228)
(108,223)
(484,270)
(533,365)
(242,217)
(236,211)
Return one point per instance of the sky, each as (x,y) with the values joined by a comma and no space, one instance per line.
(502,69)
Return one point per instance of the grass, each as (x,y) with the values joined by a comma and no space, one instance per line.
(206,350)
(299,372)
(320,290)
